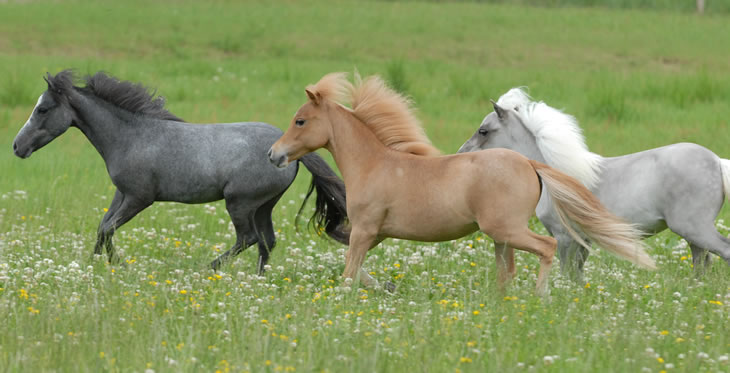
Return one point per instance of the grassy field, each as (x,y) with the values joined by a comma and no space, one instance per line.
(635,79)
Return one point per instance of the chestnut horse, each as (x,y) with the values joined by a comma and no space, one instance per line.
(399,186)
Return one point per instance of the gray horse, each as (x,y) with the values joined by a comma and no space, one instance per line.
(152,155)
(632,186)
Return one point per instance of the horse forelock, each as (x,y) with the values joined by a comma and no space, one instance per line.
(333,87)
(61,82)
(514,98)
(561,141)
(384,111)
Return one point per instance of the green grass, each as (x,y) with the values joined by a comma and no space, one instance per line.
(711,6)
(635,79)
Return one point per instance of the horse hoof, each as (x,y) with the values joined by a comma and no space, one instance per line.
(389,287)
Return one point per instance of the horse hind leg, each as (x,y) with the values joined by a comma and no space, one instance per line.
(241,216)
(572,256)
(526,240)
(701,259)
(711,241)
(702,236)
(265,231)
(243,241)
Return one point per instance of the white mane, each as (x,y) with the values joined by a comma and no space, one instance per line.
(558,136)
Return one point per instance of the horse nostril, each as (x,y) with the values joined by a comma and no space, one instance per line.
(271,151)
(15,146)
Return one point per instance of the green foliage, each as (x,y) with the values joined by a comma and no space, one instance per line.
(607,101)
(15,90)
(395,74)
(635,79)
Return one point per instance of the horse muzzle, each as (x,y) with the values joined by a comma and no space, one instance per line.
(278,159)
(22,152)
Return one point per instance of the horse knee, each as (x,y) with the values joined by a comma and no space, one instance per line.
(267,242)
(550,246)
(547,259)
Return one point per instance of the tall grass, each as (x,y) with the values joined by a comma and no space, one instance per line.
(395,74)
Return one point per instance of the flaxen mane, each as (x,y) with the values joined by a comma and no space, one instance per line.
(386,112)
(132,97)
(558,137)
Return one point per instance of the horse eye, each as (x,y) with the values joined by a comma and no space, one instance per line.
(299,122)
(41,110)
(483,131)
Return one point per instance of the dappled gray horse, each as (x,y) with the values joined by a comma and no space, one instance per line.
(152,155)
(680,186)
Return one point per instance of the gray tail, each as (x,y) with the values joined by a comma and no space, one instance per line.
(725,168)
(330,212)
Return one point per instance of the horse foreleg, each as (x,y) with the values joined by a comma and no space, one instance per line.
(128,208)
(360,242)
(102,239)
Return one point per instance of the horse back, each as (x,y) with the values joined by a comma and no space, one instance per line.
(198,163)
(645,187)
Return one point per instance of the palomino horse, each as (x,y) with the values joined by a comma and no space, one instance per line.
(682,186)
(398,186)
(152,155)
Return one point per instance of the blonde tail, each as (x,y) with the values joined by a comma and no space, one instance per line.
(576,204)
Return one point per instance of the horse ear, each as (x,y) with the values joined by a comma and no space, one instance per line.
(51,85)
(501,112)
(47,78)
(315,97)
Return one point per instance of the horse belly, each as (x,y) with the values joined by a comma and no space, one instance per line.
(189,186)
(191,196)
(428,226)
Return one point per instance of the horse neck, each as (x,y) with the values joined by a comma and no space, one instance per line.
(353,146)
(532,150)
(99,124)
(529,146)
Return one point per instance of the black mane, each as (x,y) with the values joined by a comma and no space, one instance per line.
(133,97)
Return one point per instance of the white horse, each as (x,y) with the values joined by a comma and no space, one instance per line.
(680,186)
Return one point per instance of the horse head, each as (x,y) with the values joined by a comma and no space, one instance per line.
(51,116)
(310,129)
(501,128)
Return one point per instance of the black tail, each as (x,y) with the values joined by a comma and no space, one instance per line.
(330,213)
